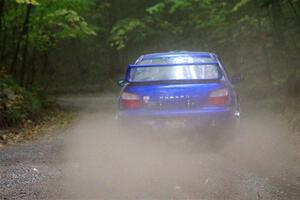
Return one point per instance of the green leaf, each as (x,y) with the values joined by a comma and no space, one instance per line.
(126,30)
(240,4)
(157,8)
(32,2)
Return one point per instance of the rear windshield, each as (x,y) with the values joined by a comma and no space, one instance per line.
(176,59)
(176,72)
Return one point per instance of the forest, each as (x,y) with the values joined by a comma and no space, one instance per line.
(68,46)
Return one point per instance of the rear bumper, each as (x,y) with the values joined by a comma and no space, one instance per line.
(204,118)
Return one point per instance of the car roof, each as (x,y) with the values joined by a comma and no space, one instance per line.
(178,53)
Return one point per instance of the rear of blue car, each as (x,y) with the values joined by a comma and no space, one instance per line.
(178,90)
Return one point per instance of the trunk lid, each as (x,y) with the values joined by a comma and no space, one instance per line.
(174,96)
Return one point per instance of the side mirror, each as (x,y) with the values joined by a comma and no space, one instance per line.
(121,82)
(235,79)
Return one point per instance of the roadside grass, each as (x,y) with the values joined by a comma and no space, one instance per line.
(32,130)
(25,113)
(18,104)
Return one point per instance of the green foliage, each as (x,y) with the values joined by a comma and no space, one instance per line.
(32,29)
(179,5)
(18,104)
(32,2)
(51,21)
(68,24)
(57,25)
(78,42)
(240,4)
(128,30)
(157,8)
(169,17)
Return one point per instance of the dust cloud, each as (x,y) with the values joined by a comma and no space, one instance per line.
(106,162)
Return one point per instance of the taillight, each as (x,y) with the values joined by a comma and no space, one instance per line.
(218,97)
(130,101)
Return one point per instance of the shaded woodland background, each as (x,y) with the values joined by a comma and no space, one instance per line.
(67,46)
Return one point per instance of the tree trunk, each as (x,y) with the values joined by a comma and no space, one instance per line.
(3,46)
(25,47)
(278,26)
(1,25)
(263,40)
(31,78)
(234,55)
(45,63)
(294,10)
(2,3)
(82,67)
(114,60)
(21,37)
(279,52)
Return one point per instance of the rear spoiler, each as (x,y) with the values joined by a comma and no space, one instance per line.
(172,64)
(164,65)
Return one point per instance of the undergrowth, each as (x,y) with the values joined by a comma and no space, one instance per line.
(18,104)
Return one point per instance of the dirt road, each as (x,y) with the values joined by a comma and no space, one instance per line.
(93,159)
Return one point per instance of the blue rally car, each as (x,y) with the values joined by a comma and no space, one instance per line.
(178,90)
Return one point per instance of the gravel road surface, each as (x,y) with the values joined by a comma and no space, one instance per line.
(93,159)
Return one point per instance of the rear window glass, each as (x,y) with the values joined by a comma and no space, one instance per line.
(176,60)
(176,72)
